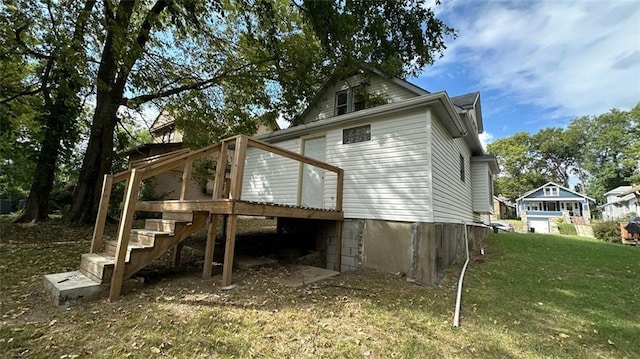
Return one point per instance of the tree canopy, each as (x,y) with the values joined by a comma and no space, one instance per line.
(220,65)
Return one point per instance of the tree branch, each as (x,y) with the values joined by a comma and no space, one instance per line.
(199,85)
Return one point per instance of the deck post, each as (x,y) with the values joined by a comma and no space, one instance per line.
(339,191)
(237,170)
(177,252)
(186,179)
(211,241)
(103,210)
(337,265)
(124,232)
(221,170)
(232,221)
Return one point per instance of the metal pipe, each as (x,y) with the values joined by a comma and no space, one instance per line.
(456,315)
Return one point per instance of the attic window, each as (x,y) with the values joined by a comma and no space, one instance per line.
(351,100)
(356,134)
(342,102)
(551,192)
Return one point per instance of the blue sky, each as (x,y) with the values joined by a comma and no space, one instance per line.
(539,64)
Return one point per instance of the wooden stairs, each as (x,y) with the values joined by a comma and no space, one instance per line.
(112,261)
(145,245)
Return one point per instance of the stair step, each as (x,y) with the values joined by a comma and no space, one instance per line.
(97,266)
(111,246)
(178,216)
(167,225)
(146,236)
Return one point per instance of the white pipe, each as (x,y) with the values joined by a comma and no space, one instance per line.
(456,315)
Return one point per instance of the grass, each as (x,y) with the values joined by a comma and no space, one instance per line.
(567,229)
(534,296)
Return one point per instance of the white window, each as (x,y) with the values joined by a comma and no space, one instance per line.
(551,191)
(351,100)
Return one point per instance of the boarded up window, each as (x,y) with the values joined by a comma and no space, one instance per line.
(356,134)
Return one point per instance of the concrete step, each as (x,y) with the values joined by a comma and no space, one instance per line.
(178,216)
(167,225)
(111,246)
(146,236)
(97,266)
(71,286)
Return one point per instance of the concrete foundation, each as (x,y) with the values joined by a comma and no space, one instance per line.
(71,286)
(421,251)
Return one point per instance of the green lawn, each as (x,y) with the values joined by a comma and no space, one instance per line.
(535,296)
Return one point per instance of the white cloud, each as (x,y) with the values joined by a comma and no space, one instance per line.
(570,57)
(485,139)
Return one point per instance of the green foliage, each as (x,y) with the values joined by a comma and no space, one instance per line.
(602,151)
(567,229)
(608,231)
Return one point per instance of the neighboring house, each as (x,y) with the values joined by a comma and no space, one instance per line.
(166,138)
(415,172)
(621,202)
(503,208)
(538,207)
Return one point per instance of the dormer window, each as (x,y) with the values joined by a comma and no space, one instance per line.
(350,100)
(551,192)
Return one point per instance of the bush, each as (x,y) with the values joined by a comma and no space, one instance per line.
(567,229)
(608,231)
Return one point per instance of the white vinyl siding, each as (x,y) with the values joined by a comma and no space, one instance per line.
(325,108)
(387,177)
(451,197)
(481,185)
(271,178)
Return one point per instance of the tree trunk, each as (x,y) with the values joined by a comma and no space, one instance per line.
(37,207)
(97,162)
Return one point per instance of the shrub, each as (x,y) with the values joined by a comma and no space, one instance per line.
(567,229)
(608,231)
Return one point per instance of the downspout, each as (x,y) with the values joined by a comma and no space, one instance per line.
(456,315)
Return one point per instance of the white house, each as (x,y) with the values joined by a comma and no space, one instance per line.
(539,206)
(415,172)
(621,202)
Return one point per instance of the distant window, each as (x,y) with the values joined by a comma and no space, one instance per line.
(356,134)
(342,102)
(461,168)
(551,191)
(359,98)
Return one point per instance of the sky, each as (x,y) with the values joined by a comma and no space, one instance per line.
(539,64)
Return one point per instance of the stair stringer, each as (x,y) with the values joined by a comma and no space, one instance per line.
(141,258)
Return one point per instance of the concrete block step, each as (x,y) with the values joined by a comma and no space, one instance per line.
(97,266)
(111,246)
(146,236)
(71,286)
(178,216)
(166,225)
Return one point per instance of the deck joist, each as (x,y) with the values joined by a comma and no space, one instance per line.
(237,207)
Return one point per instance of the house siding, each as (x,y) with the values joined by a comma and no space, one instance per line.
(452,198)
(481,185)
(271,178)
(377,85)
(388,176)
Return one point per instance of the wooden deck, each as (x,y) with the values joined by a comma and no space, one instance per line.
(238,207)
(225,201)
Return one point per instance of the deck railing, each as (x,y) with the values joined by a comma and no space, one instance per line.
(152,166)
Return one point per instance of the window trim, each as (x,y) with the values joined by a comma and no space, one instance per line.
(462,168)
(551,191)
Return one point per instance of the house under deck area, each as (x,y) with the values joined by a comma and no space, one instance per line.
(112,261)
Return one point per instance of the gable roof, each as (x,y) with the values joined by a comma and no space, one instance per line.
(360,68)
(469,102)
(619,190)
(556,185)
(440,101)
